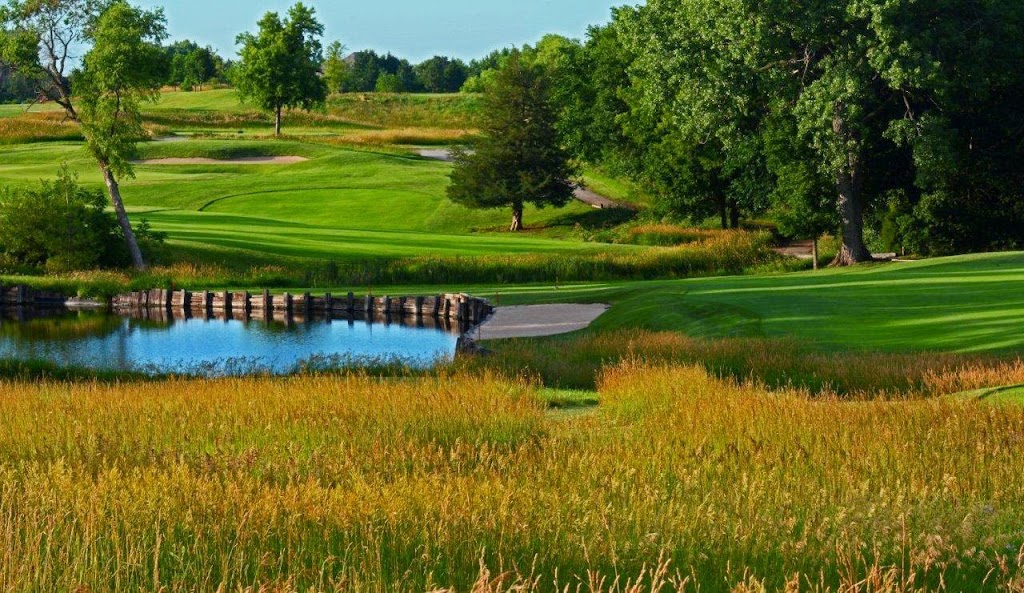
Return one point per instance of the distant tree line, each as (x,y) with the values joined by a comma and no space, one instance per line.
(368,71)
(192,67)
(15,87)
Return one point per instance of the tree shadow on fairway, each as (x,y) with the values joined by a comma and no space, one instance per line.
(594,219)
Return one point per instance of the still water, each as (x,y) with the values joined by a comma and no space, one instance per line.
(213,347)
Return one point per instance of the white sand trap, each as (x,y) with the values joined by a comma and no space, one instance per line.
(539,320)
(247,160)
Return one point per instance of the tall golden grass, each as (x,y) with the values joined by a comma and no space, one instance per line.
(577,361)
(406,136)
(726,253)
(38,127)
(463,483)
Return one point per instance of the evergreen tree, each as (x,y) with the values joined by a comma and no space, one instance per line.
(518,159)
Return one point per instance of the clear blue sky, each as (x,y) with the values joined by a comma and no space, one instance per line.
(413,29)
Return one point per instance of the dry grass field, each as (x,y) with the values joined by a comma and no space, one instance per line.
(677,480)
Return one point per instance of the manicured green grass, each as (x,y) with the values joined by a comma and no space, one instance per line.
(972,303)
(1013,394)
(340,204)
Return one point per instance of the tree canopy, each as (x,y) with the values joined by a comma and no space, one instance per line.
(906,116)
(124,68)
(280,64)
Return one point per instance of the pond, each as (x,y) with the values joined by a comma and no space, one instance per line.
(217,347)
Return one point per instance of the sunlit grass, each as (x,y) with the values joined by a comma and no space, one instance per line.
(355,483)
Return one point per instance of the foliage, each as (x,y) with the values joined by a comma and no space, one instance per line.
(588,91)
(441,74)
(59,226)
(192,66)
(40,40)
(519,159)
(335,68)
(366,68)
(124,69)
(280,65)
(872,98)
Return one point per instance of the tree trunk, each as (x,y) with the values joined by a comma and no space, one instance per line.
(814,252)
(723,213)
(734,214)
(852,250)
(517,217)
(277,122)
(122,217)
(850,182)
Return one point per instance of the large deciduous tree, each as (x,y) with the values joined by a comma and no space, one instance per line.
(280,64)
(519,158)
(881,96)
(124,66)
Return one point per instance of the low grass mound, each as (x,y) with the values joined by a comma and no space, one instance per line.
(464,482)
(385,110)
(397,119)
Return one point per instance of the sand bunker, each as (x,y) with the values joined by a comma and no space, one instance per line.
(247,160)
(539,320)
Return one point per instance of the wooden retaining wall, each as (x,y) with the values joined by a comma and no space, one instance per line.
(24,296)
(452,307)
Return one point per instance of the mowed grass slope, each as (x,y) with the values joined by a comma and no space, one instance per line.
(339,204)
(972,303)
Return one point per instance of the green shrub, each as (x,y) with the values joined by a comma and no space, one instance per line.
(61,226)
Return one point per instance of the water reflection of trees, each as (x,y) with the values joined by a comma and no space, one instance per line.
(62,327)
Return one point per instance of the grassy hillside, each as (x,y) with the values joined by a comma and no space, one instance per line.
(339,204)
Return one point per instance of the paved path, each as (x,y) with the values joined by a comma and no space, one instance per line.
(538,320)
(584,195)
(805,250)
